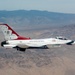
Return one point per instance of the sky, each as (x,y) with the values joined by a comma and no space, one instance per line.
(63,6)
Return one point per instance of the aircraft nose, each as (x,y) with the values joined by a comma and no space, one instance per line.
(70,43)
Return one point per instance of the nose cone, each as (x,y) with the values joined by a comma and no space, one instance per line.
(74,42)
(70,43)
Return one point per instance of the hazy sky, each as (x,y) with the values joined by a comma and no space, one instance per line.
(66,6)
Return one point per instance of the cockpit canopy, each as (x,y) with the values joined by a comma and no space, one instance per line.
(61,38)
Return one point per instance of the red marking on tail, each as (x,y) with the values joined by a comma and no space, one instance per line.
(13,32)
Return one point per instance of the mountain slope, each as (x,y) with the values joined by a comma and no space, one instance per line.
(35,18)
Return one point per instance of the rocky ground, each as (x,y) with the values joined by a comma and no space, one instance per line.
(54,61)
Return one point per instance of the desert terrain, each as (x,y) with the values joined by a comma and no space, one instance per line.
(53,61)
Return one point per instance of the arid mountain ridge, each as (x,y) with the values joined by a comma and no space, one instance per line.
(36,18)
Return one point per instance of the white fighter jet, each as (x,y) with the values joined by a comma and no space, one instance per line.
(13,40)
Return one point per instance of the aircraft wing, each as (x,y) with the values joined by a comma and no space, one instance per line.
(14,46)
(22,45)
(9,46)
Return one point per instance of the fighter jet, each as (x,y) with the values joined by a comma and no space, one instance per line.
(14,40)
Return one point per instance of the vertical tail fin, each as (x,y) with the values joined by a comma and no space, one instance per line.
(9,33)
